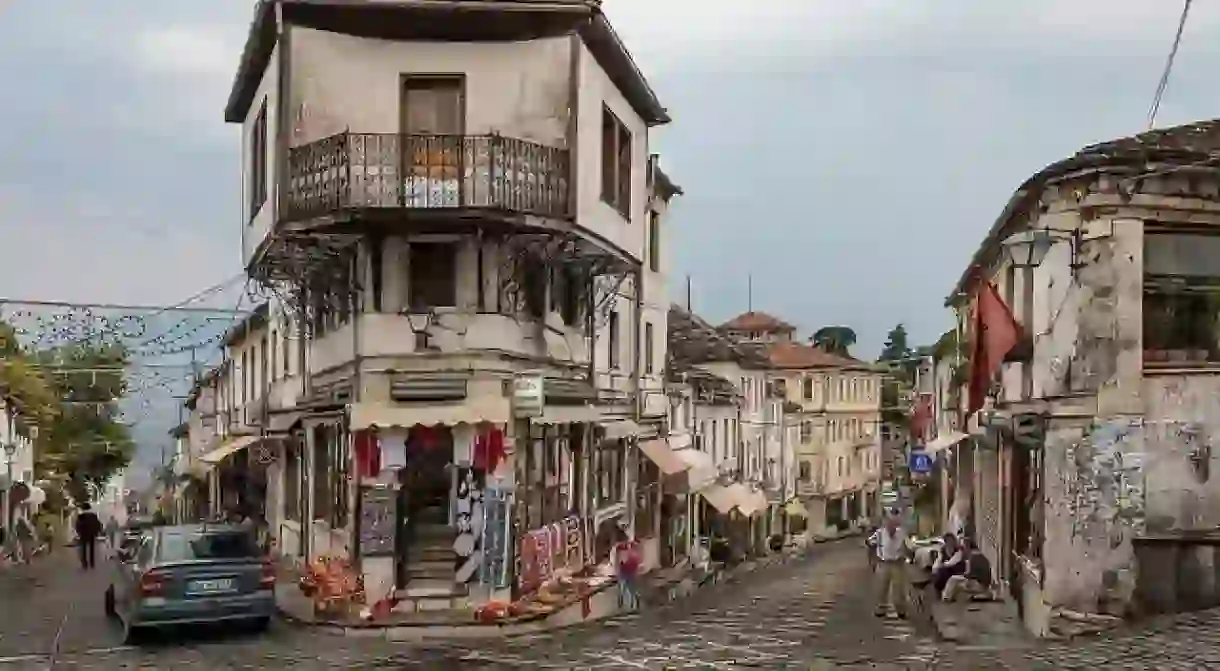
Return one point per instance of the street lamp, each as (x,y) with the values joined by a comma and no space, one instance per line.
(1028,249)
(420,319)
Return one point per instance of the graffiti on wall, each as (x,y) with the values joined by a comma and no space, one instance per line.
(554,547)
(496,506)
(1107,490)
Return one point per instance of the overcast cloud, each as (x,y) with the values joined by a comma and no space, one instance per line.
(849,154)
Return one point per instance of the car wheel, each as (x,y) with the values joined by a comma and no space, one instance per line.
(109,602)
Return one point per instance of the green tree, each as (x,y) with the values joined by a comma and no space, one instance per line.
(835,339)
(896,347)
(88,442)
(24,382)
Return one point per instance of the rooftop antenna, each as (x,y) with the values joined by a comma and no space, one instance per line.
(688,292)
(749,293)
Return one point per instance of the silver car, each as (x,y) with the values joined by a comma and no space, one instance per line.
(191,574)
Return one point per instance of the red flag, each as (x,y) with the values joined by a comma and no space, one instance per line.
(996,333)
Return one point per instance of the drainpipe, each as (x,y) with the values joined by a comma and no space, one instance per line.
(637,337)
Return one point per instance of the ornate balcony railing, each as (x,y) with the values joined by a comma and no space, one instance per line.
(354,171)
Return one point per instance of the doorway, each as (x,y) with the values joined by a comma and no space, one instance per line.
(425,487)
(432,123)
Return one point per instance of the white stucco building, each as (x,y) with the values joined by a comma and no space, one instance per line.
(453,205)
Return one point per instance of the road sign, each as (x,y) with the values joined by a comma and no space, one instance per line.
(921,462)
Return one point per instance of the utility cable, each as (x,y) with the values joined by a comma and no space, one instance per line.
(1173,54)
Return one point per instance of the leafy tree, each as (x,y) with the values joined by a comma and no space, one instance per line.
(896,347)
(835,339)
(71,393)
(87,442)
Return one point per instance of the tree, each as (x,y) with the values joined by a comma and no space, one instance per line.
(22,381)
(835,339)
(87,442)
(896,347)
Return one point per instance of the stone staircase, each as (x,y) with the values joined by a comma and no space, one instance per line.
(431,567)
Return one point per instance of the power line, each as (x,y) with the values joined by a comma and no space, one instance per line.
(1173,54)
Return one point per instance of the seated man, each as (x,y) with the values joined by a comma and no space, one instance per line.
(950,561)
(975,580)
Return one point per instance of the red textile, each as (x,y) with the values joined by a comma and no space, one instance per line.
(368,454)
(996,333)
(489,450)
(922,417)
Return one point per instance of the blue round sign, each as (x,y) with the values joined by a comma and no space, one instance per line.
(921,462)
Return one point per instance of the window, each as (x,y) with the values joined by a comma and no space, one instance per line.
(432,275)
(1181,299)
(649,349)
(284,348)
(612,339)
(258,161)
(608,464)
(548,465)
(616,164)
(264,379)
(271,356)
(647,513)
(245,375)
(654,241)
(534,279)
(330,477)
(806,474)
(292,481)
(806,431)
(807,388)
(221,545)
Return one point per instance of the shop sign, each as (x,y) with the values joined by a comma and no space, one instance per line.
(527,395)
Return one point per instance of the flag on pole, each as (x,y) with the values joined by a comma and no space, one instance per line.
(996,334)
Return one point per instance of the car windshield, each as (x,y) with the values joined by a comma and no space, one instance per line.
(208,545)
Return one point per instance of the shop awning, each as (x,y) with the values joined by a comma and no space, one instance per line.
(620,428)
(945,442)
(749,502)
(680,441)
(568,414)
(719,497)
(702,471)
(658,452)
(369,415)
(283,422)
(228,448)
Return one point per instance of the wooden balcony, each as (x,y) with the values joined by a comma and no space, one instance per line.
(354,173)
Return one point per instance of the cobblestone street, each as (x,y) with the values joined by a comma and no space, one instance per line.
(814,614)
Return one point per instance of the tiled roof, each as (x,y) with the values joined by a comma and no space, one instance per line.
(800,355)
(756,321)
(693,341)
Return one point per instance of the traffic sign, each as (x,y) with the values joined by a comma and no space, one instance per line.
(921,462)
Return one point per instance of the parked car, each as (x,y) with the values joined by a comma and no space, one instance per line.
(191,574)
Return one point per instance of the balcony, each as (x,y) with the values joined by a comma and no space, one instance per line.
(368,172)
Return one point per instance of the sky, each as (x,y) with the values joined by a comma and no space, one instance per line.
(848,156)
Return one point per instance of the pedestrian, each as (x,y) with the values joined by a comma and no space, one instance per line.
(893,549)
(88,528)
(112,533)
(627,560)
(26,537)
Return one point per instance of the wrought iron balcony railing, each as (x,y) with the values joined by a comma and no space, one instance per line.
(354,171)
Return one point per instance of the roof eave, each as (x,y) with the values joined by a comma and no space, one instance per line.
(261,37)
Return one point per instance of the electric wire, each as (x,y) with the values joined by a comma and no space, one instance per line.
(1169,61)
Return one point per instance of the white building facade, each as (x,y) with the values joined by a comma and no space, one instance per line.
(466,227)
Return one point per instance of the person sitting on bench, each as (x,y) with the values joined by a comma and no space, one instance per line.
(975,580)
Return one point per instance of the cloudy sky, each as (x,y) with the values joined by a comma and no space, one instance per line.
(849,154)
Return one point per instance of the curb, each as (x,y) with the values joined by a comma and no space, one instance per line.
(678,591)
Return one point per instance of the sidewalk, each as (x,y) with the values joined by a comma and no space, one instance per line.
(49,597)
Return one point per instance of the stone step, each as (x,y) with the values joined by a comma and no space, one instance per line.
(432,588)
(430,570)
(433,532)
(431,553)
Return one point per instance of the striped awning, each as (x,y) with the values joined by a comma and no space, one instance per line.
(370,415)
(228,449)
(658,452)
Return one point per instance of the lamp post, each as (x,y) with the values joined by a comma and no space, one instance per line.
(420,319)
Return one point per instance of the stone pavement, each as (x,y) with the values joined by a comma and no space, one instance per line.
(806,615)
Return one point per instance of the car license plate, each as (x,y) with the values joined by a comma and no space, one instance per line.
(210,586)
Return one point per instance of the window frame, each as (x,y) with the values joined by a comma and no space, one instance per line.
(617,150)
(418,297)
(1179,289)
(654,241)
(258,162)
(613,356)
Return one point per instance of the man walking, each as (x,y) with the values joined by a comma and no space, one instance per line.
(893,548)
(88,528)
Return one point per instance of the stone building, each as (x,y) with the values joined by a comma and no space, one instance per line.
(1092,455)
